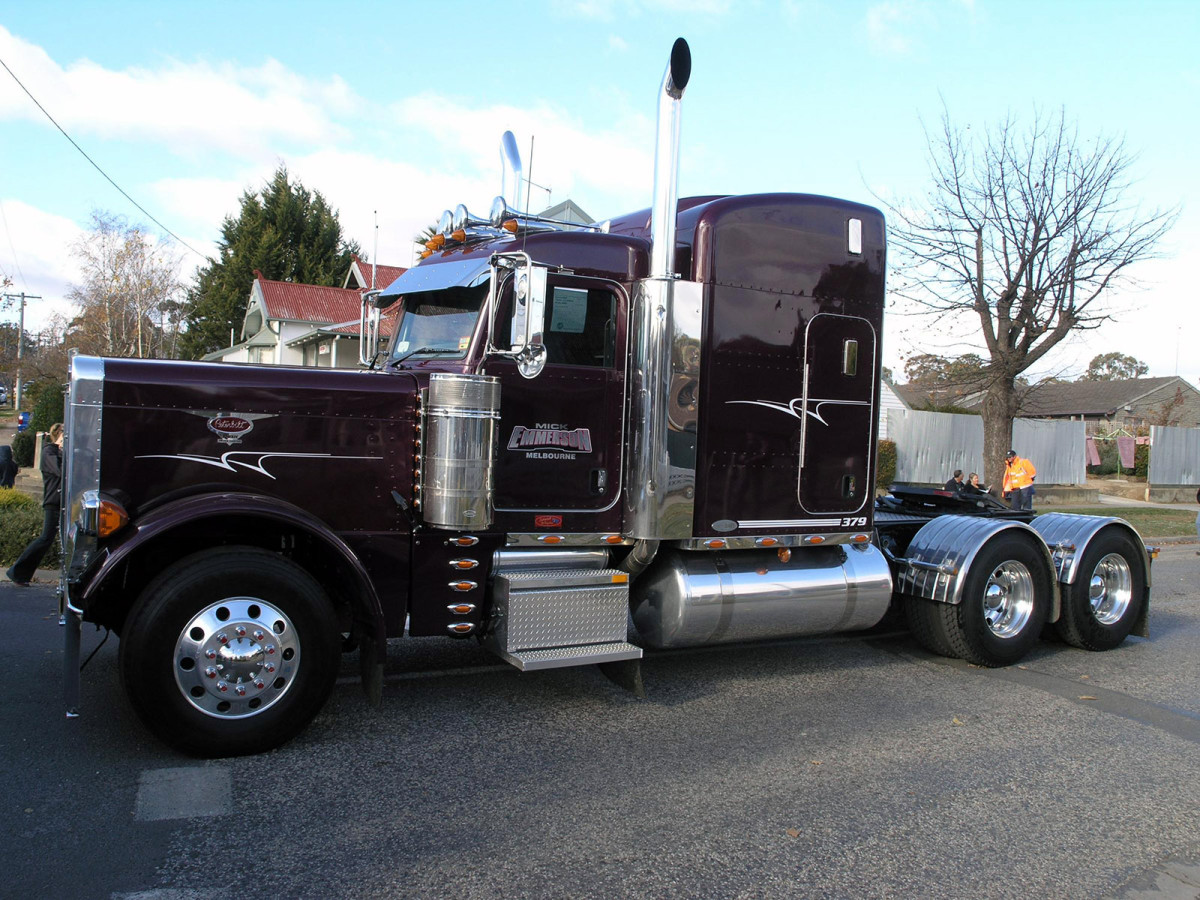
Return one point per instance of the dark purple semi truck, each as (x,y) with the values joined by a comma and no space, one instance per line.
(658,431)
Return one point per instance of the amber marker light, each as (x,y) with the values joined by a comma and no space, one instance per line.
(463,563)
(612,539)
(425,254)
(510,226)
(767,542)
(784,554)
(459,236)
(860,539)
(111,518)
(620,578)
(551,539)
(814,539)
(715,544)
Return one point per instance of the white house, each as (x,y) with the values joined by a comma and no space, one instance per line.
(306,324)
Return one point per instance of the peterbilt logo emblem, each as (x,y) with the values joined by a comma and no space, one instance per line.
(230,429)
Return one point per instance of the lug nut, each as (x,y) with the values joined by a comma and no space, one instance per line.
(210,672)
(260,684)
(222,638)
(270,648)
(210,653)
(270,667)
(258,635)
(241,690)
(222,686)
(241,630)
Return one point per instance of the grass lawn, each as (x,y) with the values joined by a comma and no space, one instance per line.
(1149,521)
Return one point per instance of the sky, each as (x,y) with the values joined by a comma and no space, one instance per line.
(394,112)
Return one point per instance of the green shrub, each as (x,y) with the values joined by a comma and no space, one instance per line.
(24,443)
(1141,460)
(20,522)
(1110,460)
(885,474)
(47,409)
(47,406)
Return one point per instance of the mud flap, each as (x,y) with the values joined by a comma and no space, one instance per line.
(370,659)
(73,625)
(626,673)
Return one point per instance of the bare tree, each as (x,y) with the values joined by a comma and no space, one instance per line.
(1028,230)
(129,299)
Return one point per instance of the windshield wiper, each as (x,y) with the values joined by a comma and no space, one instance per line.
(437,350)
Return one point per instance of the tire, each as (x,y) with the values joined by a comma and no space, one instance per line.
(1005,602)
(1109,593)
(230,652)
(927,625)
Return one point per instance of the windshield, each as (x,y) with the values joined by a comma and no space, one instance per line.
(438,323)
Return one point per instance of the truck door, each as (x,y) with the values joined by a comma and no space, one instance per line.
(560,432)
(838,420)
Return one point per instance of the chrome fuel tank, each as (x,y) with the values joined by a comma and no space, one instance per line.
(689,598)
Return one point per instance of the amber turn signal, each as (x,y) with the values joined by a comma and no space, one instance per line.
(110,518)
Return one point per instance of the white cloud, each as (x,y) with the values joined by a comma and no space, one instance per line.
(44,266)
(886,25)
(187,106)
(616,43)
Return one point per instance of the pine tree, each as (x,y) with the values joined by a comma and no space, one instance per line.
(285,231)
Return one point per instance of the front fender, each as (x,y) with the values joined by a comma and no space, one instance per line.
(192,510)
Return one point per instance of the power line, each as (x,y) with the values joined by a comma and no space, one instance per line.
(96,165)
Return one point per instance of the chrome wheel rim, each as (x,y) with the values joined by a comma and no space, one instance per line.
(236,658)
(1008,599)
(1110,590)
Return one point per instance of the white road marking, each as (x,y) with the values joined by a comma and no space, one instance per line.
(184,793)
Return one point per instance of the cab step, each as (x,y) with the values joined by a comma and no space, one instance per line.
(550,618)
(585,654)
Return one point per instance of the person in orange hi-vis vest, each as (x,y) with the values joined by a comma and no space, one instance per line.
(1018,480)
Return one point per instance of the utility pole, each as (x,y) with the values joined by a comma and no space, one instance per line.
(21,297)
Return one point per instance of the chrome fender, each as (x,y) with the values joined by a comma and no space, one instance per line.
(942,552)
(1068,535)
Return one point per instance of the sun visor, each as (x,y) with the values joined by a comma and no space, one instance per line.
(437,277)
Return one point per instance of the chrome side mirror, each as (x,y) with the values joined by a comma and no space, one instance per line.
(529,312)
(368,328)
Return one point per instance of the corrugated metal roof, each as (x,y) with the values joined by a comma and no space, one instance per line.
(309,302)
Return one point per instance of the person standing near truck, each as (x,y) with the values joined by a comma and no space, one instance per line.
(1018,480)
(21,572)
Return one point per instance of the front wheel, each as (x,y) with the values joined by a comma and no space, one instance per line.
(1005,602)
(1101,607)
(230,652)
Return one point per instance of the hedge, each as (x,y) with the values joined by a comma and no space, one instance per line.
(47,409)
(885,474)
(1141,460)
(21,520)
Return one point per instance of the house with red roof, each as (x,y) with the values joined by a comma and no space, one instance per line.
(293,324)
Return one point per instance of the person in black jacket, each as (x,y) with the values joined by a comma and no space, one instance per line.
(955,484)
(8,467)
(22,570)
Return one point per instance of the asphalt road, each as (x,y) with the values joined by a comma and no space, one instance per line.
(840,767)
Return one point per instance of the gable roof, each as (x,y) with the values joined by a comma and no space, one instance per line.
(307,302)
(1094,398)
(359,275)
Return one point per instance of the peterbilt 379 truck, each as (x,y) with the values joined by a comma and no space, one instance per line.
(653,432)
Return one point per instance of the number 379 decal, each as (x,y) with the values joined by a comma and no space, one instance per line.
(855,522)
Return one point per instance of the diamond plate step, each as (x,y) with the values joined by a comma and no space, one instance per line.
(558,657)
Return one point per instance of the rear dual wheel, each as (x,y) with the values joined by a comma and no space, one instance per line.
(230,652)
(1005,602)
(1108,595)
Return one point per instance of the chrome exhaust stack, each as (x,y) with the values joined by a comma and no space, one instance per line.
(659,499)
(666,161)
(512,185)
